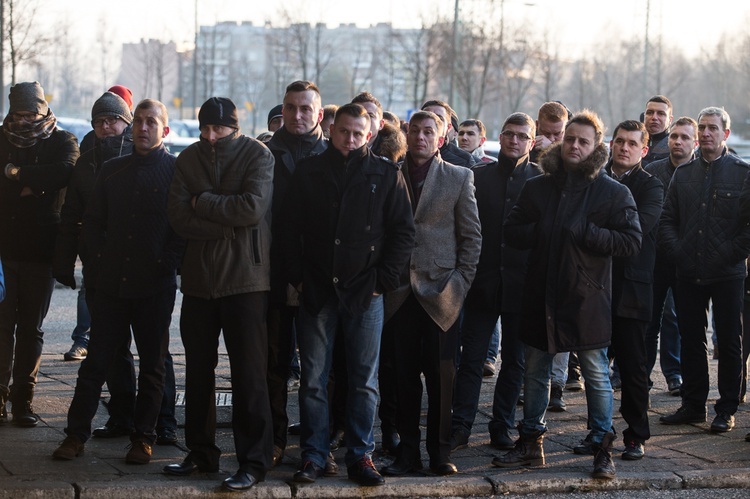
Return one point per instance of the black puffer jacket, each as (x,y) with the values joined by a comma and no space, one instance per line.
(28,224)
(658,148)
(701,228)
(573,222)
(69,244)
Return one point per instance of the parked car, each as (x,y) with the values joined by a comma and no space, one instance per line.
(176,144)
(184,128)
(76,126)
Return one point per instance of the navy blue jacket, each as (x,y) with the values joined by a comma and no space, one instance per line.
(133,251)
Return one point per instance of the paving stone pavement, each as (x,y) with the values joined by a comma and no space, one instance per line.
(677,457)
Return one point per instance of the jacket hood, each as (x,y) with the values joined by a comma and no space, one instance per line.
(392,143)
(551,161)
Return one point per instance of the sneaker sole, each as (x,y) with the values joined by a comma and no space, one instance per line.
(631,457)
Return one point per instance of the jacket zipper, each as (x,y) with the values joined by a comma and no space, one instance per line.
(371,207)
(589,279)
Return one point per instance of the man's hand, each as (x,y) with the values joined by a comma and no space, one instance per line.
(542,142)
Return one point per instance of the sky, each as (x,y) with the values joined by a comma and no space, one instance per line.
(692,25)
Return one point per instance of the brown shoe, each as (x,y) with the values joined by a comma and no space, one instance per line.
(139,453)
(69,449)
(277,457)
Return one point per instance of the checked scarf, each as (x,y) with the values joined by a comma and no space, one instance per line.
(23,134)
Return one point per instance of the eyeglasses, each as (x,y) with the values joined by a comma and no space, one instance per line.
(25,116)
(522,137)
(100,122)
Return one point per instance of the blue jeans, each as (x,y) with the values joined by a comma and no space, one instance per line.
(595,368)
(80,335)
(316,336)
(560,369)
(494,347)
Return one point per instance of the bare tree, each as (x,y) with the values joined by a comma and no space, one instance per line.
(25,43)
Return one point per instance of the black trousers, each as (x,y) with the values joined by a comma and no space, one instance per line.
(121,383)
(280,352)
(242,320)
(691,301)
(629,345)
(422,347)
(28,288)
(149,320)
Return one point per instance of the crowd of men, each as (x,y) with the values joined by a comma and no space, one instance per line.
(381,252)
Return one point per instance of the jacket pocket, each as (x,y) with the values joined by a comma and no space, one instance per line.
(588,280)
(725,203)
(256,246)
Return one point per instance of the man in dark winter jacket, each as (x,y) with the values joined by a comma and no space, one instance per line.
(702,231)
(494,292)
(657,117)
(133,258)
(663,334)
(348,235)
(632,279)
(38,160)
(300,136)
(110,118)
(219,201)
(574,220)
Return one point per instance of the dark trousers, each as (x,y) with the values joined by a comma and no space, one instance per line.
(28,288)
(280,352)
(629,345)
(476,332)
(388,380)
(510,377)
(663,323)
(422,347)
(691,301)
(242,320)
(149,320)
(121,383)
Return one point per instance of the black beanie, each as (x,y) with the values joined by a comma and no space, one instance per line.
(219,111)
(111,104)
(274,113)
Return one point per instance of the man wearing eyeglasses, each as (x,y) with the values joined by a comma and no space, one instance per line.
(38,160)
(573,220)
(494,292)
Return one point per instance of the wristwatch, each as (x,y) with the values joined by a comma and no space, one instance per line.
(14,172)
(11,171)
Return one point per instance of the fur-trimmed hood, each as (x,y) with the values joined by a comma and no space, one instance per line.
(551,161)
(391,143)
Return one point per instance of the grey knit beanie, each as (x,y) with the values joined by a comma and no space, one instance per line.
(111,104)
(27,96)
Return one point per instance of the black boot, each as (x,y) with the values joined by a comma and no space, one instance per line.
(604,466)
(23,415)
(529,451)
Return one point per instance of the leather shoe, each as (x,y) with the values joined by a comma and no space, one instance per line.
(294,428)
(685,415)
(459,439)
(444,469)
(401,467)
(277,457)
(308,473)
(673,386)
(722,423)
(242,480)
(112,431)
(364,473)
(23,415)
(166,436)
(185,468)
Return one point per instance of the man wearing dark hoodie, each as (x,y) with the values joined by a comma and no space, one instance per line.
(219,201)
(574,220)
(298,138)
